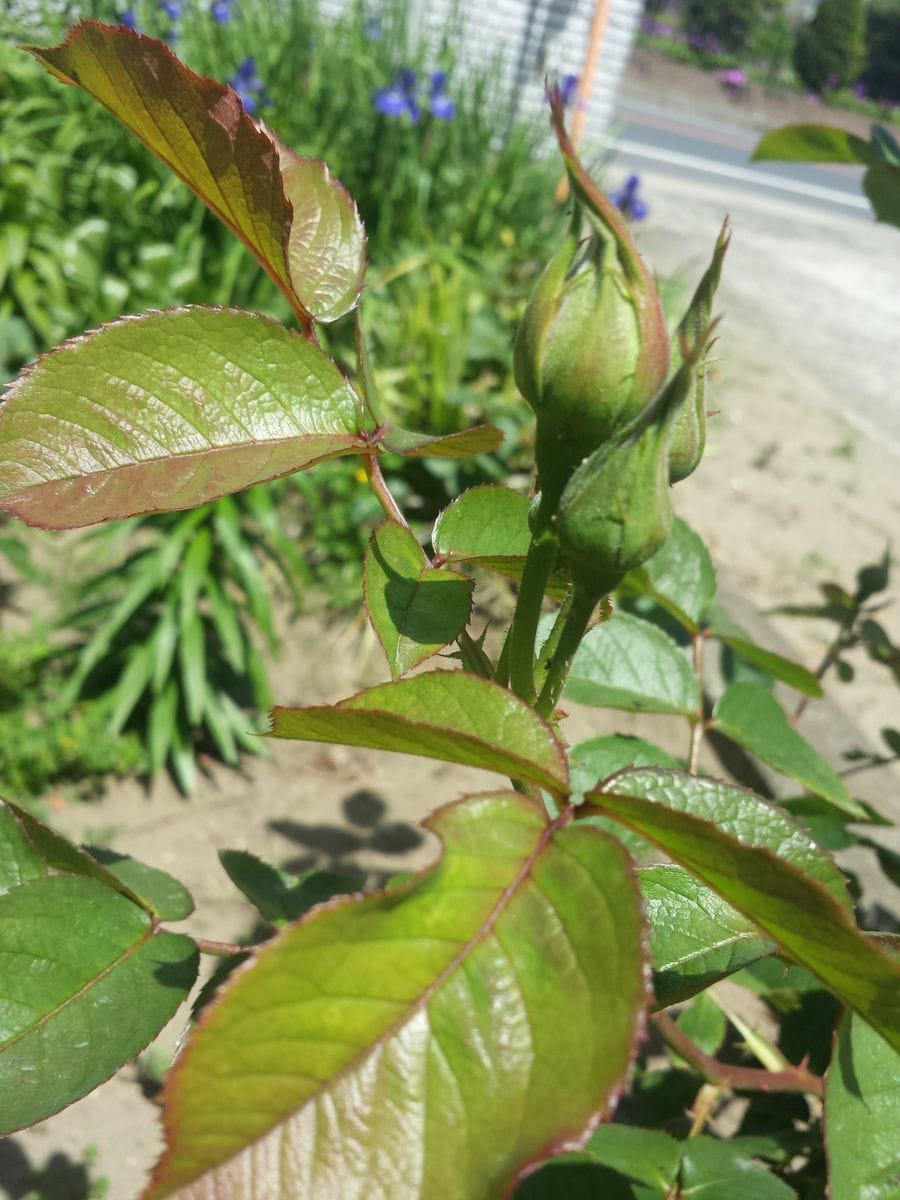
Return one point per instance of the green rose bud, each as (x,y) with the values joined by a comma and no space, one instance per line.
(615,511)
(689,433)
(592,349)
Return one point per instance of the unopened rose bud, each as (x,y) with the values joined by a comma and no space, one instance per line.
(592,349)
(615,511)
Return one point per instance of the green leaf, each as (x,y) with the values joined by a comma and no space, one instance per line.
(487,526)
(20,859)
(447,715)
(862,1115)
(577,1177)
(680,577)
(704,1023)
(711,1170)
(165,412)
(770,870)
(483,1016)
(628,663)
(597,758)
(696,938)
(415,609)
(643,1155)
(481,439)
(192,659)
(59,854)
(298,222)
(881,183)
(104,986)
(813,143)
(752,717)
(159,892)
(773,664)
(280,896)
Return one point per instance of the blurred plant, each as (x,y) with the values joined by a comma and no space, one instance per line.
(854,615)
(170,631)
(831,48)
(727,24)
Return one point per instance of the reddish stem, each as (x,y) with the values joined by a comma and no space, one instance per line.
(795,1079)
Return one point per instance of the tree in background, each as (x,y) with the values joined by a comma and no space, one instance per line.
(831,48)
(729,22)
(881,76)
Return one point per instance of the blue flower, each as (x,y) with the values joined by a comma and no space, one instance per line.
(567,89)
(129,20)
(440,103)
(373,29)
(627,200)
(400,98)
(248,86)
(172,9)
(220,11)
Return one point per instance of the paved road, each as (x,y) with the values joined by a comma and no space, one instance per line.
(812,284)
(688,145)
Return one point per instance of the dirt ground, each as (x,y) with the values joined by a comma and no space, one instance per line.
(799,484)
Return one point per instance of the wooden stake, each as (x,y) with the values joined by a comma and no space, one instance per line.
(599,21)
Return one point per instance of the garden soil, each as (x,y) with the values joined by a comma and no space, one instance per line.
(800,483)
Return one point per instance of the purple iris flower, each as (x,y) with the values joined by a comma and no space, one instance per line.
(248,86)
(129,20)
(220,11)
(440,103)
(374,31)
(628,202)
(400,98)
(172,9)
(567,89)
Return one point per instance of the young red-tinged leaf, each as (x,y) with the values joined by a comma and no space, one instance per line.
(87,982)
(448,715)
(435,1039)
(480,439)
(167,411)
(751,716)
(415,609)
(303,229)
(769,869)
(326,245)
(862,1115)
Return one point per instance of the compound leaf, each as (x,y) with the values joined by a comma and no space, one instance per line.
(448,715)
(165,412)
(472,1022)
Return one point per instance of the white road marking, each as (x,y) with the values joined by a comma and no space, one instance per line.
(693,162)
